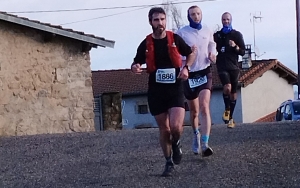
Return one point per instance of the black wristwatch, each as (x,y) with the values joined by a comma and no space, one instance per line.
(187,67)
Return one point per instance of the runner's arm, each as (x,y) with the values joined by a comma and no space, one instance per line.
(240,44)
(140,56)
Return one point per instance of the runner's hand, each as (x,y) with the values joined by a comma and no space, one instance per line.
(232,43)
(136,68)
(183,74)
(212,57)
(194,49)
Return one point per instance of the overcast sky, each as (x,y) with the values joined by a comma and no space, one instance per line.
(275,33)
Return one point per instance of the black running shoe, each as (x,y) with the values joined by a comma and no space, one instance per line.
(169,169)
(207,152)
(177,153)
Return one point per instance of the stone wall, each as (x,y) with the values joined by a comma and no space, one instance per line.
(45,87)
(112,111)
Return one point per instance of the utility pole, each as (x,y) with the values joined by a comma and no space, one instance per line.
(298,42)
(254,17)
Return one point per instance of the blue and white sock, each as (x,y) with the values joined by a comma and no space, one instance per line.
(204,142)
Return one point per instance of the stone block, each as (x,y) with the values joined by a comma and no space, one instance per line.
(65,103)
(45,77)
(14,85)
(5,96)
(76,126)
(62,75)
(88,82)
(88,114)
(59,91)
(43,93)
(77,115)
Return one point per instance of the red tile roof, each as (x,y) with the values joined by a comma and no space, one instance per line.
(124,81)
(268,118)
(259,67)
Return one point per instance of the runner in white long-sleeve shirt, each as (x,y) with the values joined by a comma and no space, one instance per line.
(197,89)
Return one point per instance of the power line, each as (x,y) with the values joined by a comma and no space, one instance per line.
(103,8)
(141,7)
(146,6)
(102,16)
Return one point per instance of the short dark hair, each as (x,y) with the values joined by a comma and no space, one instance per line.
(155,10)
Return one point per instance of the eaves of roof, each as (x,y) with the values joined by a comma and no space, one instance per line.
(58,30)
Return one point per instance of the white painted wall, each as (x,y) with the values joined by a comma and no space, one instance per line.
(130,115)
(254,101)
(132,118)
(264,96)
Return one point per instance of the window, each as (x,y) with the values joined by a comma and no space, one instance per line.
(296,107)
(143,109)
(287,109)
(282,109)
(279,113)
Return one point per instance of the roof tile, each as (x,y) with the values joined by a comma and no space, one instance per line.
(124,81)
(268,118)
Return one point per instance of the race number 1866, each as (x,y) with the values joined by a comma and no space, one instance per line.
(166,76)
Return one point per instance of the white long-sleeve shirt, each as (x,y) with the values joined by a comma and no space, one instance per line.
(203,40)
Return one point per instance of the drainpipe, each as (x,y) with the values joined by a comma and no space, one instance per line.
(298,42)
(100,112)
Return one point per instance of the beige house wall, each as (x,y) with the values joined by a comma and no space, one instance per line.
(45,87)
(264,96)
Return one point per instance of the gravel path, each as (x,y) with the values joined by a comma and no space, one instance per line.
(251,155)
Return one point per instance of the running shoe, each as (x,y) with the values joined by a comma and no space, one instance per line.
(225,116)
(231,124)
(177,153)
(169,169)
(207,152)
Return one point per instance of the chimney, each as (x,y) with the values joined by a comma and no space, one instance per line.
(246,59)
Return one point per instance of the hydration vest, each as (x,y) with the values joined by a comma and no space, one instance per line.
(172,49)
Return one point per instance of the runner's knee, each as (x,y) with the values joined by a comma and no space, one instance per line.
(204,109)
(227,88)
(176,126)
(164,130)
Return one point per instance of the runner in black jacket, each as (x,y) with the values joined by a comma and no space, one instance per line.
(230,44)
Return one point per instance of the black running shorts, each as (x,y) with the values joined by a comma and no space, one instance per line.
(162,97)
(193,93)
(230,77)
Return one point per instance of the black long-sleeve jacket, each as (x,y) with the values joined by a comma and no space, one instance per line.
(227,58)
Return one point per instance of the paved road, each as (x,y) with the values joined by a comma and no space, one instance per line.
(251,155)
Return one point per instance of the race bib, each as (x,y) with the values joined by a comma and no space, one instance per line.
(195,82)
(166,76)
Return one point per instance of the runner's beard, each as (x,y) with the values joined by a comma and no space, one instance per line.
(158,30)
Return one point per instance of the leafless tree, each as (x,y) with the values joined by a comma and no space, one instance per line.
(174,15)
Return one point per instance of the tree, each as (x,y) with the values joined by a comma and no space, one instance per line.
(174,15)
